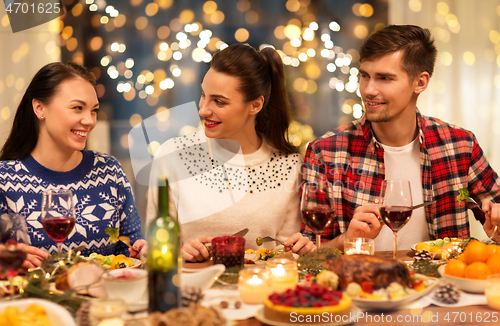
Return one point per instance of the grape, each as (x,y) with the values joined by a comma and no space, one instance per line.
(258,241)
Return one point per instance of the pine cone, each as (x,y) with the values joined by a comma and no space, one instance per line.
(447,293)
(422,255)
(191,296)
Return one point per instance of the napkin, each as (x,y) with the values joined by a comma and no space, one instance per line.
(466,299)
(213,297)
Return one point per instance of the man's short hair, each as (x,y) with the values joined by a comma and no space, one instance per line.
(417,44)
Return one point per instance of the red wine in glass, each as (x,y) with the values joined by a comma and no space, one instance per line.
(395,206)
(11,260)
(58,215)
(395,217)
(317,219)
(58,228)
(316,205)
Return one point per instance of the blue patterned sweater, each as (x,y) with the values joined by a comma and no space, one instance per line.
(101,192)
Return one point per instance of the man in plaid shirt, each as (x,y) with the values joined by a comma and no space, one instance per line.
(394,141)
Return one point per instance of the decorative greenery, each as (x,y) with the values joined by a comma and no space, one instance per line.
(315,262)
(41,279)
(427,267)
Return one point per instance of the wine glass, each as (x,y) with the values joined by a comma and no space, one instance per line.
(317,205)
(395,206)
(13,250)
(58,215)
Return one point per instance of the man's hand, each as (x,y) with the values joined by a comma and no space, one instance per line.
(365,223)
(492,219)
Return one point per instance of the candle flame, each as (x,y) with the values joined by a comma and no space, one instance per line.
(278,271)
(47,275)
(358,245)
(255,280)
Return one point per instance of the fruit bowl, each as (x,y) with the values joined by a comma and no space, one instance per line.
(465,284)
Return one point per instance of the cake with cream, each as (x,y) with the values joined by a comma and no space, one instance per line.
(307,305)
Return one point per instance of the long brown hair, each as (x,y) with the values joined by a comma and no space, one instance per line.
(261,73)
(417,44)
(44,85)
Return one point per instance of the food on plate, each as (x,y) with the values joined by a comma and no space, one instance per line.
(34,314)
(112,262)
(394,291)
(84,277)
(463,195)
(363,268)
(306,303)
(262,254)
(325,278)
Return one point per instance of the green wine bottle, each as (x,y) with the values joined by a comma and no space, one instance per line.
(164,257)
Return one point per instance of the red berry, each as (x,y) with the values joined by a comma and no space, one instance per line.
(318,304)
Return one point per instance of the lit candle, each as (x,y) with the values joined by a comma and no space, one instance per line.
(492,291)
(284,273)
(254,285)
(106,308)
(359,246)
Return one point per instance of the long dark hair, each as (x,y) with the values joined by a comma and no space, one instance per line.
(261,73)
(417,44)
(24,133)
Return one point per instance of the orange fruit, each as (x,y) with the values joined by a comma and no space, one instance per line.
(475,251)
(455,268)
(477,270)
(494,263)
(492,249)
(423,246)
(461,258)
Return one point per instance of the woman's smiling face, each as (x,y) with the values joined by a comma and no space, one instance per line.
(225,113)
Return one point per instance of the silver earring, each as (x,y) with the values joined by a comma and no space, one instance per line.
(41,117)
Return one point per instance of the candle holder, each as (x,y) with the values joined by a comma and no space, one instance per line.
(363,246)
(254,284)
(284,273)
(492,291)
(105,308)
(229,251)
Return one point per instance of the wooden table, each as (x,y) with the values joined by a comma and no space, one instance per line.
(432,315)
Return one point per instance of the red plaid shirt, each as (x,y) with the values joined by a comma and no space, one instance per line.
(450,159)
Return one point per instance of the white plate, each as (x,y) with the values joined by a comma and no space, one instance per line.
(259,315)
(465,284)
(57,315)
(370,304)
(137,262)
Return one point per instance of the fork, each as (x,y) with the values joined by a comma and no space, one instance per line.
(269,239)
(471,200)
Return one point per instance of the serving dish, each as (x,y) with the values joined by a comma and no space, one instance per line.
(465,284)
(377,305)
(57,315)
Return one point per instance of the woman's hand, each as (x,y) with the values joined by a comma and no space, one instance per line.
(195,250)
(34,257)
(138,249)
(299,244)
(492,219)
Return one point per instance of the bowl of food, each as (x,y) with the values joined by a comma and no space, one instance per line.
(465,284)
(130,285)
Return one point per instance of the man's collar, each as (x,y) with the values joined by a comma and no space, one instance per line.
(369,136)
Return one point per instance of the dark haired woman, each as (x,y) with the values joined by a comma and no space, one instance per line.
(45,150)
(240,172)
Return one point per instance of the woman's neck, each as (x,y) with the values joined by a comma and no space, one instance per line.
(57,160)
(248,145)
